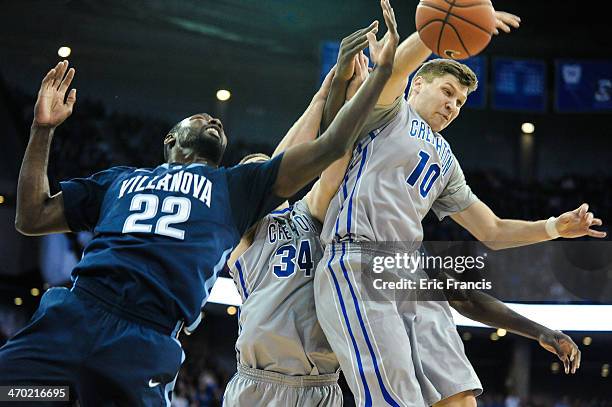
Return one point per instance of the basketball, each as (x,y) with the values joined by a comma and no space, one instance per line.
(456,29)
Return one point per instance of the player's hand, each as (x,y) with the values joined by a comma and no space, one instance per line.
(52,107)
(383,52)
(361,74)
(350,47)
(503,21)
(578,223)
(564,347)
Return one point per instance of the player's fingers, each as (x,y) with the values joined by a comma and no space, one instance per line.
(566,364)
(364,64)
(349,40)
(596,233)
(501,24)
(60,72)
(359,39)
(589,218)
(357,64)
(392,13)
(358,47)
(596,222)
(55,74)
(573,359)
(66,81)
(582,210)
(371,38)
(71,99)
(47,80)
(577,360)
(390,20)
(510,18)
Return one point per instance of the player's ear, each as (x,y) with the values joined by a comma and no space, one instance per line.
(170,140)
(417,85)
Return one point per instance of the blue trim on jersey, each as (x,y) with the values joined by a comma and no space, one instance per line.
(241,277)
(169,388)
(363,151)
(281,211)
(385,393)
(350,206)
(177,329)
(208,284)
(74,282)
(368,397)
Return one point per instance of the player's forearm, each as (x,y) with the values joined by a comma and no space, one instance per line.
(488,310)
(302,163)
(515,233)
(305,128)
(33,184)
(346,127)
(334,102)
(410,54)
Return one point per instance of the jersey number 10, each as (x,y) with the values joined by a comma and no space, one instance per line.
(287,254)
(432,174)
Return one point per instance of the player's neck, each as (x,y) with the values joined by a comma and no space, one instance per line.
(189,157)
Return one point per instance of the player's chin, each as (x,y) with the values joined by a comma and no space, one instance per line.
(440,125)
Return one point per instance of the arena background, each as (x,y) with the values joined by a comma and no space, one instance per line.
(143,65)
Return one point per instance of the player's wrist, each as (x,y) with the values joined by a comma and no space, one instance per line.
(551,227)
(38,129)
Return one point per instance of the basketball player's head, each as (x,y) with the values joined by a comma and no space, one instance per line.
(439,89)
(198,136)
(254,158)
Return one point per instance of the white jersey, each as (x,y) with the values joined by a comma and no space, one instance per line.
(399,171)
(279,330)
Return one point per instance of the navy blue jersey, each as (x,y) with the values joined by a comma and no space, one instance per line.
(162,235)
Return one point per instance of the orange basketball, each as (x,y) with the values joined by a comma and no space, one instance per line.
(456,29)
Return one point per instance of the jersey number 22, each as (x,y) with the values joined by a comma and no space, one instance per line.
(177,209)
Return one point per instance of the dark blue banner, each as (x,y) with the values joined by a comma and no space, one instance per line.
(583,86)
(329,55)
(519,84)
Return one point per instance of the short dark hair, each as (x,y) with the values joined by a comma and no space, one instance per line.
(248,157)
(437,68)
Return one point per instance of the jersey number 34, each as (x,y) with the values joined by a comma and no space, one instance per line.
(288,261)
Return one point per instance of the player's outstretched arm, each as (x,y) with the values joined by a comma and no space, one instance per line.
(37,211)
(307,126)
(412,52)
(350,47)
(303,163)
(322,192)
(498,233)
(488,310)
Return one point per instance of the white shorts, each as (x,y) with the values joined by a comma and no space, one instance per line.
(397,353)
(261,388)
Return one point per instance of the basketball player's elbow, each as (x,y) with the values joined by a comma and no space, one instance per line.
(25,227)
(32,220)
(492,235)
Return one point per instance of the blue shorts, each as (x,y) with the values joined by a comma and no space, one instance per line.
(76,340)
